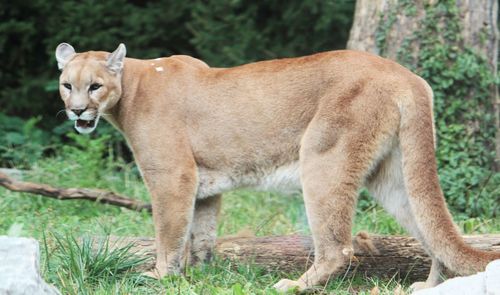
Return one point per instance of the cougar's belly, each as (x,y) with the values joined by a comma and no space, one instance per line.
(284,178)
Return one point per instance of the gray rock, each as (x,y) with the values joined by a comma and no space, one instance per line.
(482,283)
(20,268)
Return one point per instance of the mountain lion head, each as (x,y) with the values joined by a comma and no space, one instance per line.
(90,83)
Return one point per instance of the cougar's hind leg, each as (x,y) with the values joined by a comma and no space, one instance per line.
(204,229)
(387,186)
(335,157)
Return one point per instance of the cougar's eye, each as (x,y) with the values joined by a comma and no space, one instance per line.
(94,86)
(67,86)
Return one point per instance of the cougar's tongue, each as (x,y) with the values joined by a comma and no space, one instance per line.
(85,123)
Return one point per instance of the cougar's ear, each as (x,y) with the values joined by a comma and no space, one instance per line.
(115,59)
(64,53)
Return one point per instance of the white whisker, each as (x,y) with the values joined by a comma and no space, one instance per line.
(103,113)
(60,111)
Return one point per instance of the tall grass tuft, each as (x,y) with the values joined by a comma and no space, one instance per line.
(81,266)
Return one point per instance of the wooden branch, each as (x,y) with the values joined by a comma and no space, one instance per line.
(96,195)
(377,256)
(374,256)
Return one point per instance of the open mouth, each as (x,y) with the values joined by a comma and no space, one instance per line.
(86,126)
(85,123)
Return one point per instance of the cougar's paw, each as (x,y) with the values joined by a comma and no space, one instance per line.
(152,274)
(200,256)
(156,274)
(289,285)
(420,286)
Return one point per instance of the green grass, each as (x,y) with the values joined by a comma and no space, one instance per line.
(77,265)
(64,227)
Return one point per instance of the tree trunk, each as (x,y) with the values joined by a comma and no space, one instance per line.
(381,26)
(384,27)
(374,255)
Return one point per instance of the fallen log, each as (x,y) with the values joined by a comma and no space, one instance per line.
(374,255)
(96,195)
(379,256)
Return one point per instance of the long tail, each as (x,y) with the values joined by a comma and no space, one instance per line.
(424,192)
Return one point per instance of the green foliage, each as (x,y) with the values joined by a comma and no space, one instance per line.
(21,141)
(220,32)
(82,266)
(461,80)
(82,154)
(226,33)
(32,29)
(74,269)
(91,159)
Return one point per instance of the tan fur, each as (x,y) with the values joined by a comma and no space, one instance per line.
(329,123)
(365,243)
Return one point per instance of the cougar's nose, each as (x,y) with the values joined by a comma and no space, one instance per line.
(78,112)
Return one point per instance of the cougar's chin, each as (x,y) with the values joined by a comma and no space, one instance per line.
(86,126)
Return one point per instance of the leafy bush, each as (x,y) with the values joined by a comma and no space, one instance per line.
(227,33)
(462,80)
(220,32)
(91,159)
(21,142)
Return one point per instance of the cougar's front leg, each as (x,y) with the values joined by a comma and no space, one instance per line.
(204,229)
(171,177)
(173,195)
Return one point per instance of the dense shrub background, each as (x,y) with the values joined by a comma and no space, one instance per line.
(223,33)
(227,33)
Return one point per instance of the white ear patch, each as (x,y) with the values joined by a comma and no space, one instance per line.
(115,59)
(159,69)
(64,53)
